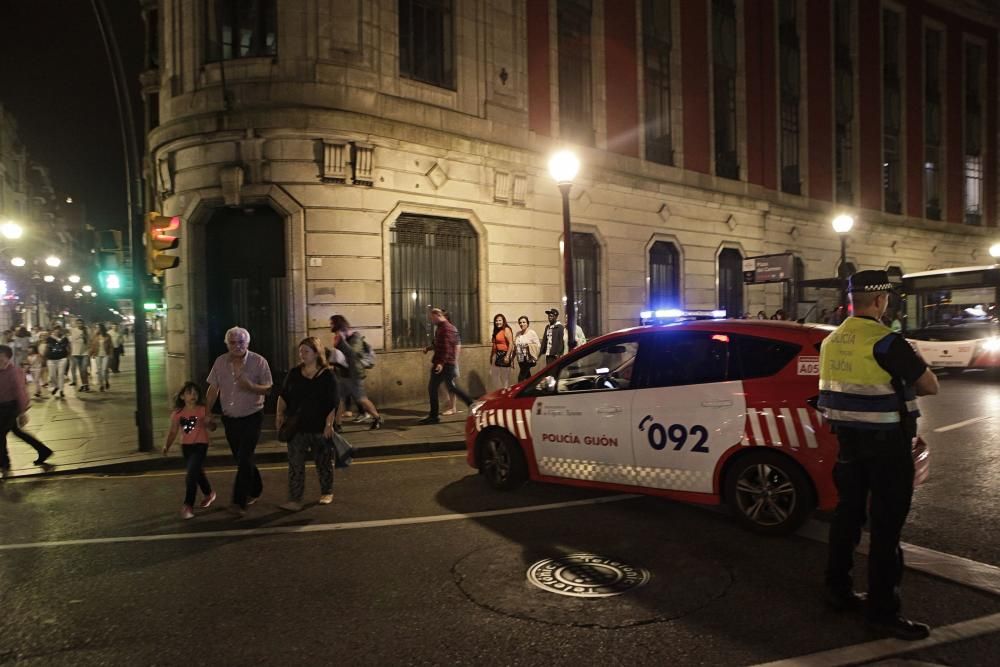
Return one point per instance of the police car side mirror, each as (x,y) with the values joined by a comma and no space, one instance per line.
(548,385)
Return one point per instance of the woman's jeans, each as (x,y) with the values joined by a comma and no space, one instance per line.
(102,369)
(194,458)
(57,374)
(298,450)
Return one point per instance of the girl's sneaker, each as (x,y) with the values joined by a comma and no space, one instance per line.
(207,501)
(187,512)
(326,499)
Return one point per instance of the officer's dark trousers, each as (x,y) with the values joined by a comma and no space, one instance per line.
(876,465)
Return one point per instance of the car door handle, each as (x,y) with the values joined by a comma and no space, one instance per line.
(609,410)
(716,404)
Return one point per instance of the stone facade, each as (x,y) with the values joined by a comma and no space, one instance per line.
(330,136)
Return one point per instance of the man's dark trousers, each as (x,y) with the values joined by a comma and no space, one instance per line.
(242,434)
(447,375)
(8,424)
(878,464)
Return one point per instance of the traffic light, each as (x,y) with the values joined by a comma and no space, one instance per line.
(159,239)
(111,281)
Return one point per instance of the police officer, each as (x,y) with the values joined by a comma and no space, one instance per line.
(869,379)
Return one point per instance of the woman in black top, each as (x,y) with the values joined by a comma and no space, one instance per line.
(56,354)
(310,397)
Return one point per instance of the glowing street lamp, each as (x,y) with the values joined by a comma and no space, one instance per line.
(87,288)
(67,288)
(563,167)
(49,279)
(53,261)
(843,224)
(11,230)
(995,251)
(18,261)
(74,278)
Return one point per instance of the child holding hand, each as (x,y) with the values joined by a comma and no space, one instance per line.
(190,417)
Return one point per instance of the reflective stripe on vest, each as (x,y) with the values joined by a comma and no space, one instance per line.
(854,390)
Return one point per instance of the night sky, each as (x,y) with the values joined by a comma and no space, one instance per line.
(54,78)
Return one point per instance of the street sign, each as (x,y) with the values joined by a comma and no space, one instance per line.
(769,268)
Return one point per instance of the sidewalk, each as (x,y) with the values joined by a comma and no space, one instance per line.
(96,431)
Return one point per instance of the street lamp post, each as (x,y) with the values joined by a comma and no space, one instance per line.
(563,166)
(843,224)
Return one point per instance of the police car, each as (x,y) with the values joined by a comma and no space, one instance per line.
(705,411)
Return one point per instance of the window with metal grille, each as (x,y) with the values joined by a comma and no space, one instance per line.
(892,100)
(657,41)
(241,29)
(576,122)
(664,276)
(933,42)
(731,282)
(433,262)
(427,42)
(724,68)
(587,282)
(843,100)
(789,70)
(973,134)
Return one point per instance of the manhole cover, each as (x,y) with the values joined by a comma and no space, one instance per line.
(586,576)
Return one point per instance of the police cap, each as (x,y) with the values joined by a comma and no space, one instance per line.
(869,281)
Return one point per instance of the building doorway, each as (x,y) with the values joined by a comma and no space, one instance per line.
(247,285)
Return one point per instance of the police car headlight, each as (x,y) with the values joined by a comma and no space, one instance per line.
(992,344)
(476,407)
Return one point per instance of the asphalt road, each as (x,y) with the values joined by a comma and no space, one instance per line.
(418,562)
(956,511)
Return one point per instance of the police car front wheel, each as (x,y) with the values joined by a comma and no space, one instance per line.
(769,493)
(501,461)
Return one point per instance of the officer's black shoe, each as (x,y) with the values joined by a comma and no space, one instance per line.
(845,601)
(429,420)
(898,627)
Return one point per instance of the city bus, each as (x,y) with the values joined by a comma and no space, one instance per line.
(950,316)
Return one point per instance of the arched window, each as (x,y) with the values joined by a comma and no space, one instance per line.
(433,262)
(664,276)
(587,282)
(731,282)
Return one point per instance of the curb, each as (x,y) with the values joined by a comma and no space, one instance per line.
(220,458)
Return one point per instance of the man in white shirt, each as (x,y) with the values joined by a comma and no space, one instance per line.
(79,343)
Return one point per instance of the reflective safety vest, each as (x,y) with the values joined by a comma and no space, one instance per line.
(853,389)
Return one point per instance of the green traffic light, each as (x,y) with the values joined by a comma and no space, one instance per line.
(110,280)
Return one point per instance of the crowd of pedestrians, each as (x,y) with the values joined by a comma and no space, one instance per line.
(57,356)
(48,359)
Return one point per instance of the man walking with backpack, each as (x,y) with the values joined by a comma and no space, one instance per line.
(359,357)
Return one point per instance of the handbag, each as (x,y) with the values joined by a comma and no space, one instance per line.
(500,359)
(288,428)
(343,453)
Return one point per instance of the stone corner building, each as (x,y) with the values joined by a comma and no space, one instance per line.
(376,157)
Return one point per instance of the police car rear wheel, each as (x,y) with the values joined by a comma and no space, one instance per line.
(769,494)
(502,461)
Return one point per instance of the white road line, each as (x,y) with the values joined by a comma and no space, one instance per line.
(952,427)
(970,573)
(315,528)
(884,648)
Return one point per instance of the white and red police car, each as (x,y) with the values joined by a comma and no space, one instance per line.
(710,412)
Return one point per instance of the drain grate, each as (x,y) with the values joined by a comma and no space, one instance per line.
(586,576)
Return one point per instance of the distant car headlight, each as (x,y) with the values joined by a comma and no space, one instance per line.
(992,344)
(476,407)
